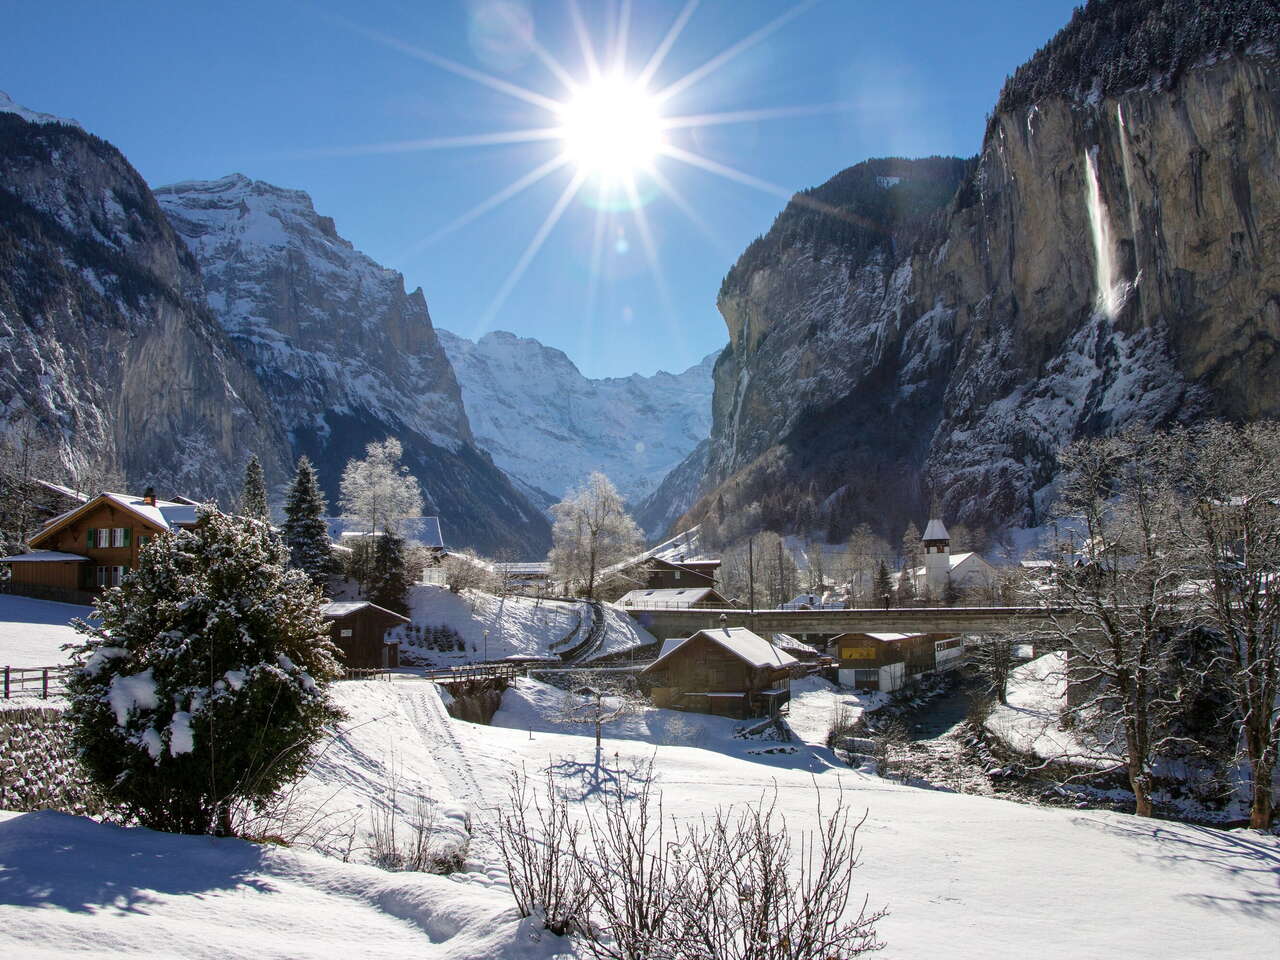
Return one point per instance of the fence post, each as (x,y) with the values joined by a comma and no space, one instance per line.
(6,682)
(44,684)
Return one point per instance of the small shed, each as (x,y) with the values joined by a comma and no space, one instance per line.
(728,671)
(359,629)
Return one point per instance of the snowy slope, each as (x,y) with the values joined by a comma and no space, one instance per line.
(516,626)
(543,421)
(71,887)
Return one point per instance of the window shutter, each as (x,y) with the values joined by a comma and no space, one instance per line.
(92,541)
(127,533)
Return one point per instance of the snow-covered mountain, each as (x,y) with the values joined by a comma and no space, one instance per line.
(107,348)
(344,353)
(546,424)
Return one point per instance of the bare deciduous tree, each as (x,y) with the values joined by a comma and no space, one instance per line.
(592,530)
(1121,591)
(1230,539)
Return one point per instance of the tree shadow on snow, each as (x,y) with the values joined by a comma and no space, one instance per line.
(50,859)
(1247,856)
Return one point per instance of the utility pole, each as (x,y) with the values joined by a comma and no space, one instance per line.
(751,573)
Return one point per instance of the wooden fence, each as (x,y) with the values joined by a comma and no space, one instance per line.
(34,681)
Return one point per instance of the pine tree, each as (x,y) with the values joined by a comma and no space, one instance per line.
(305,532)
(389,581)
(911,552)
(253,497)
(203,689)
(884,585)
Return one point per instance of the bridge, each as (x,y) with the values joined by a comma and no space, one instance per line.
(665,622)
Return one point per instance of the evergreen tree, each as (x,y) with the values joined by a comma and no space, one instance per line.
(203,689)
(884,585)
(911,553)
(253,497)
(389,581)
(305,532)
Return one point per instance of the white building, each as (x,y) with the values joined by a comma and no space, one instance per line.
(965,571)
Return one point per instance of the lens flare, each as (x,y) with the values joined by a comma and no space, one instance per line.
(612,129)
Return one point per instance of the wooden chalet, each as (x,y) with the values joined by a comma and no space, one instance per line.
(888,661)
(657,573)
(359,630)
(727,671)
(92,545)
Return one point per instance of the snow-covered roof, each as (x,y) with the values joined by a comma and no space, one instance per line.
(163,513)
(425,530)
(344,608)
(935,531)
(892,637)
(739,641)
(533,568)
(44,556)
(67,492)
(667,597)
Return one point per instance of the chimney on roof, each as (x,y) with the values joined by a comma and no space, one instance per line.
(149,496)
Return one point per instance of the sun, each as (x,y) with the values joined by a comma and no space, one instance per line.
(611,129)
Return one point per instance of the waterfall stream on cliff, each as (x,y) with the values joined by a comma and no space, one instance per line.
(1128,189)
(1103,248)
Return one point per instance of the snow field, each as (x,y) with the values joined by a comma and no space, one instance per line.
(33,632)
(73,887)
(962,876)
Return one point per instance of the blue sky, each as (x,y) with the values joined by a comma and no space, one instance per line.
(307,95)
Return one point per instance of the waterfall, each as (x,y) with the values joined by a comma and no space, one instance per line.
(1128,189)
(1104,270)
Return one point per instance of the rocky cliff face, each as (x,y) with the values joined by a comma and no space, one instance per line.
(105,342)
(548,425)
(943,327)
(345,355)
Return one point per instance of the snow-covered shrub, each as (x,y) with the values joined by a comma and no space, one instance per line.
(203,689)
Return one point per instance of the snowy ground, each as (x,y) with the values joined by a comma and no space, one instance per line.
(962,876)
(517,626)
(1037,693)
(32,632)
(73,887)
(815,704)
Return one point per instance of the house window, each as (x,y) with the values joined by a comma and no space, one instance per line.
(117,574)
(118,536)
(861,677)
(677,574)
(104,576)
(345,633)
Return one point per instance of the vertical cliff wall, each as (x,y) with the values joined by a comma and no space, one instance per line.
(1109,259)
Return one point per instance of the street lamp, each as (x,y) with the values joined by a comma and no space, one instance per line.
(486,646)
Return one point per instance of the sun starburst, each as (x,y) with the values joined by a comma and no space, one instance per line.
(613,128)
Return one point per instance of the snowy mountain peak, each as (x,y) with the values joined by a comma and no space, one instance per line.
(556,425)
(9,105)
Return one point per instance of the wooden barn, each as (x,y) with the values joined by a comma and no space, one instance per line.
(888,661)
(359,630)
(728,671)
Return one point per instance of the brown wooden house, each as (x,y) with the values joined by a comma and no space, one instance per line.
(888,661)
(656,573)
(359,629)
(728,671)
(92,546)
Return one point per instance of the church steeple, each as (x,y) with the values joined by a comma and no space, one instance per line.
(937,556)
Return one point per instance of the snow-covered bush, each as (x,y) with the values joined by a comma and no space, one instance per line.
(203,689)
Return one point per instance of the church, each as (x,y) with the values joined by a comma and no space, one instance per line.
(965,571)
